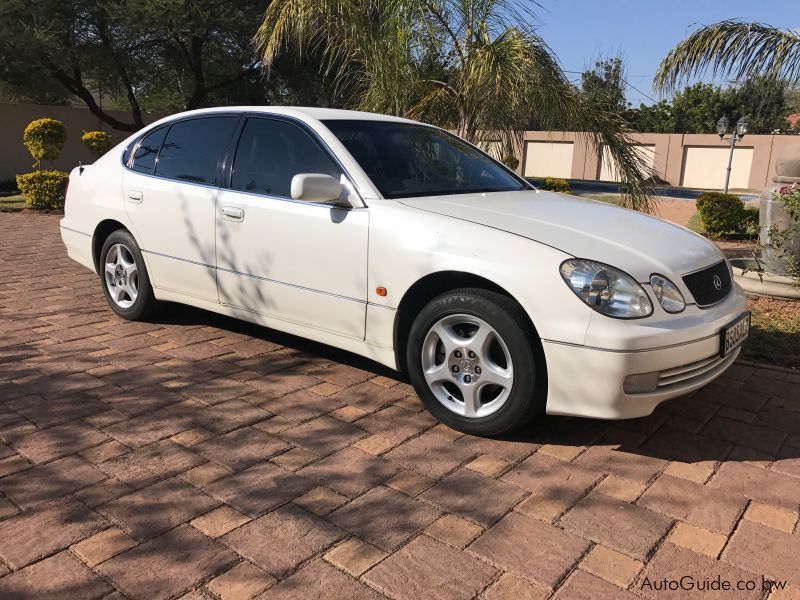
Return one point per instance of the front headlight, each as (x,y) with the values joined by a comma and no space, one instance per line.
(667,294)
(607,290)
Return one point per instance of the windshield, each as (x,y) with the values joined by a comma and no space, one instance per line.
(405,160)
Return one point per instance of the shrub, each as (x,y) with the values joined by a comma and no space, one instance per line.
(44,139)
(725,214)
(554,184)
(98,142)
(511,161)
(43,189)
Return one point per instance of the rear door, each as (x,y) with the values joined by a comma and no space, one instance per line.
(170,193)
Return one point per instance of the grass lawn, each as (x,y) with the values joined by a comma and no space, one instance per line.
(607,198)
(11,203)
(775,333)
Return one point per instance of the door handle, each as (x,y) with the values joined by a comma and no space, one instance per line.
(233,213)
(135,196)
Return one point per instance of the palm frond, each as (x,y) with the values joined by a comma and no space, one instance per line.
(732,49)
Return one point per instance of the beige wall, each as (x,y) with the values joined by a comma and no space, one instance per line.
(691,160)
(552,159)
(608,166)
(14,158)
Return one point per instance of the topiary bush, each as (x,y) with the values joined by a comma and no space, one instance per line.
(98,142)
(43,189)
(554,184)
(44,139)
(511,161)
(725,214)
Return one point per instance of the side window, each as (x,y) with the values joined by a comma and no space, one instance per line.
(145,158)
(271,152)
(193,149)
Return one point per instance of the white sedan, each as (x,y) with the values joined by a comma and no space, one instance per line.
(402,243)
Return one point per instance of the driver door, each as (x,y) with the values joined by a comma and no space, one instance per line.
(300,262)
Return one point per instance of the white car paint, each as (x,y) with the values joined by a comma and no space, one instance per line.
(312,270)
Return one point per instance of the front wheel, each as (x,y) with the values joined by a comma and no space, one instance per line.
(472,360)
(126,284)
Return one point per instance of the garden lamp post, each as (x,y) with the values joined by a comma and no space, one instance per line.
(736,135)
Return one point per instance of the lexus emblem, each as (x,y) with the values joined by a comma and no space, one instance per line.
(717,282)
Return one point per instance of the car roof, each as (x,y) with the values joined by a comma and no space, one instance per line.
(302,111)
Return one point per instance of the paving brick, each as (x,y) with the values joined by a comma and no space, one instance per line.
(106,418)
(555,485)
(279,541)
(375,444)
(13,464)
(350,471)
(511,587)
(49,444)
(369,396)
(624,527)
(771,516)
(32,535)
(561,452)
(672,563)
(697,539)
(204,474)
(489,465)
(49,481)
(215,391)
(396,424)
(295,459)
(430,455)
(259,489)
(219,521)
(61,576)
(698,505)
(454,531)
(192,437)
(148,428)
(318,579)
(242,448)
(744,434)
(348,414)
(154,509)
(550,552)
(629,465)
(7,508)
(410,483)
(384,518)
(104,452)
(758,484)
(620,488)
(583,586)
(354,556)
(324,435)
(223,417)
(612,566)
(103,546)
(102,492)
(320,501)
(167,565)
(699,473)
(145,466)
(766,551)
(427,568)
(473,496)
(301,405)
(241,583)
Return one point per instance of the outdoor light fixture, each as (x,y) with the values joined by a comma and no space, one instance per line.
(741,130)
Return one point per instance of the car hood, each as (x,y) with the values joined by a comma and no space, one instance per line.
(634,242)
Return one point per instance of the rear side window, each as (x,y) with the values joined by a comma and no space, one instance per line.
(145,158)
(193,149)
(271,152)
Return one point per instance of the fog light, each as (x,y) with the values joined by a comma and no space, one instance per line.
(641,383)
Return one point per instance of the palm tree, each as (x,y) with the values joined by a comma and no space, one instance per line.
(473,66)
(733,49)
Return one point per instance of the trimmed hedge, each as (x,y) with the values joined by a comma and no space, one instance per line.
(44,139)
(98,142)
(554,184)
(43,189)
(725,214)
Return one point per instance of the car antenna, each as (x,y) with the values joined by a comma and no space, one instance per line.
(80,168)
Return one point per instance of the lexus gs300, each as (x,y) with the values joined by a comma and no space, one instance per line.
(400,242)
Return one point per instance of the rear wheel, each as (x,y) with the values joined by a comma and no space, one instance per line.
(126,284)
(471,359)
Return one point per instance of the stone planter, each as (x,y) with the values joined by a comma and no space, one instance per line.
(771,212)
(761,283)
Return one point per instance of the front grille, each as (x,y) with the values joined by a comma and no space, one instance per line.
(701,284)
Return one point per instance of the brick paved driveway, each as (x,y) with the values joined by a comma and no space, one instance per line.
(196,454)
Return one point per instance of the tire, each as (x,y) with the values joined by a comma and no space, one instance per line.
(124,278)
(476,363)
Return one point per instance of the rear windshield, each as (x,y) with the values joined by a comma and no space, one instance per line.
(405,160)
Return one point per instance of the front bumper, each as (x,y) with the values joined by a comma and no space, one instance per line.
(588,381)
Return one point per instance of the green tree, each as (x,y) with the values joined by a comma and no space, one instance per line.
(602,86)
(142,55)
(653,118)
(473,66)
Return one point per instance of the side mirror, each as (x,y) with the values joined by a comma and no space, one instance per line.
(316,187)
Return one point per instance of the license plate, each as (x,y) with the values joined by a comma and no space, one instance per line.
(734,334)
